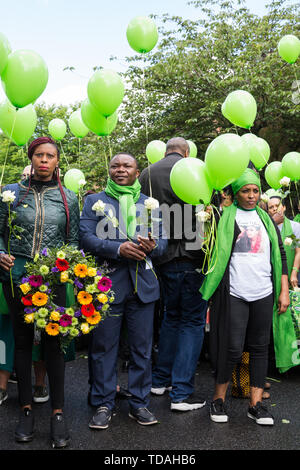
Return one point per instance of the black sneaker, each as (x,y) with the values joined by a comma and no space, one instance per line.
(260,414)
(24,430)
(59,433)
(13,378)
(143,416)
(218,412)
(3,395)
(188,404)
(40,394)
(101,418)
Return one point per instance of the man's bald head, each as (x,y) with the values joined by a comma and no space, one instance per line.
(178,145)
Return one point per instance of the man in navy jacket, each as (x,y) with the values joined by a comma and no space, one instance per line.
(110,230)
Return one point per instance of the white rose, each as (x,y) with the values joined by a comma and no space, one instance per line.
(81,182)
(203,216)
(99,206)
(151,203)
(288,241)
(264,198)
(8,196)
(285,181)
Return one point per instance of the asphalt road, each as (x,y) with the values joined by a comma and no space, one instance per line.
(191,431)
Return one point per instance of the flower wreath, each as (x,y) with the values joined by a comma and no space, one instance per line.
(88,293)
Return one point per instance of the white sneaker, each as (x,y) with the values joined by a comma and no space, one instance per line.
(260,414)
(187,404)
(160,390)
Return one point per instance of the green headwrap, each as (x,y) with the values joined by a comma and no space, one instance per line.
(248,177)
(127,197)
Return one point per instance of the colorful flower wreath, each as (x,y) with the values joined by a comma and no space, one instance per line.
(88,293)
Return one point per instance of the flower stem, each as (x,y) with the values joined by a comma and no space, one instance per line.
(8,249)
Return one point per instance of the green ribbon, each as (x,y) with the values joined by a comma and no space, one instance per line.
(287,231)
(127,197)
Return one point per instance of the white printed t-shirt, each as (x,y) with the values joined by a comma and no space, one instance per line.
(250,264)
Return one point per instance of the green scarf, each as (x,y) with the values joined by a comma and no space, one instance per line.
(285,341)
(287,231)
(127,197)
(297,218)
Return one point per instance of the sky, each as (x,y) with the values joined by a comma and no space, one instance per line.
(82,34)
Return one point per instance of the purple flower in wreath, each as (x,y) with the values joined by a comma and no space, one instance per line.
(78,284)
(77,314)
(82,253)
(45,252)
(65,320)
(35,281)
(55,270)
(25,280)
(60,309)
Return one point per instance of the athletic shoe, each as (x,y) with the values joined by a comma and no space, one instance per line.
(24,431)
(40,394)
(143,416)
(59,434)
(218,412)
(3,395)
(260,414)
(160,390)
(188,404)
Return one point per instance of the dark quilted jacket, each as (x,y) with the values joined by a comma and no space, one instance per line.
(42,215)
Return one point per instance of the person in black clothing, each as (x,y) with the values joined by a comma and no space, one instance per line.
(182,328)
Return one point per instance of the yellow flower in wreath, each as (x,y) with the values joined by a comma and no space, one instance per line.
(92,272)
(64,276)
(25,288)
(81,270)
(52,329)
(84,298)
(102,298)
(39,299)
(29,318)
(55,316)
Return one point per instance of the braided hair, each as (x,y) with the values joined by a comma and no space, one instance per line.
(35,143)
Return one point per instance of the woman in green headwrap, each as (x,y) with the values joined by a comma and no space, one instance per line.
(248,288)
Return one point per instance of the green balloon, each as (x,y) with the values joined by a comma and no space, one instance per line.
(57,129)
(72,179)
(95,121)
(5,50)
(155,151)
(76,125)
(142,34)
(289,48)
(259,150)
(18,125)
(105,91)
(24,78)
(189,181)
(240,108)
(291,165)
(193,149)
(226,159)
(273,174)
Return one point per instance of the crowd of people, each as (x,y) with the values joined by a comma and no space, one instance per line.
(159,264)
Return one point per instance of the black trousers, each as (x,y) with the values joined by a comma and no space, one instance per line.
(250,322)
(23,337)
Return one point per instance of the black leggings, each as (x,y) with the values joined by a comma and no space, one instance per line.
(23,336)
(250,322)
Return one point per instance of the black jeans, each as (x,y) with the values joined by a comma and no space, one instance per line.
(23,337)
(250,322)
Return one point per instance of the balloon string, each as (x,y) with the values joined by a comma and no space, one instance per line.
(291,202)
(5,159)
(146,126)
(296,186)
(64,154)
(297,81)
(79,163)
(105,158)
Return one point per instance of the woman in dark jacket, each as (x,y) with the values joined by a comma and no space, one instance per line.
(49,216)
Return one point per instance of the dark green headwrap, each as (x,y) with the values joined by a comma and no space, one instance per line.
(248,177)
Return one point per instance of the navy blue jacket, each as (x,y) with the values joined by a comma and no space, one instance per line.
(100,238)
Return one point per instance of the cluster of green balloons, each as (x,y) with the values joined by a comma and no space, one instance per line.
(24,76)
(289,166)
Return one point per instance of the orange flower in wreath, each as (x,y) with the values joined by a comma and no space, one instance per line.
(39,299)
(52,329)
(81,270)
(94,319)
(84,298)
